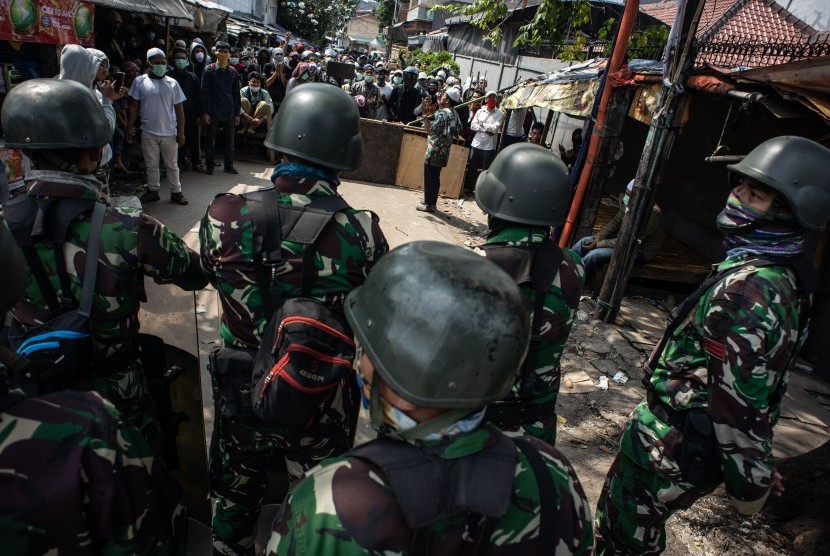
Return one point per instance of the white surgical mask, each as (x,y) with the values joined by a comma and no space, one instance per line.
(234,61)
(200,56)
(255,89)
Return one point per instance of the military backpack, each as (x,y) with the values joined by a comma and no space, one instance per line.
(307,351)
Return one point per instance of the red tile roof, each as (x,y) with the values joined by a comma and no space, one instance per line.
(755,22)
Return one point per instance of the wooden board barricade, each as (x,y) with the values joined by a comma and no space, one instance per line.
(411,166)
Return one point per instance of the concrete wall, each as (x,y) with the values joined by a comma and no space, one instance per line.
(363,26)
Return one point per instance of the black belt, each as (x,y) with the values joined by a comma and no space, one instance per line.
(516,412)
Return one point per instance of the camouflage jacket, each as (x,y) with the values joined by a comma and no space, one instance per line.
(561,304)
(133,245)
(345,253)
(344,506)
(730,355)
(77,480)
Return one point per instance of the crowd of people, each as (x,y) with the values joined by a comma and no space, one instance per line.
(461,392)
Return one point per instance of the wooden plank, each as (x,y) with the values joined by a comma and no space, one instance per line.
(411,166)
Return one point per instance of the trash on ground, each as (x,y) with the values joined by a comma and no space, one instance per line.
(620,377)
(603,382)
(561,420)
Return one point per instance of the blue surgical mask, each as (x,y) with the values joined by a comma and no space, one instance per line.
(368,78)
(181,64)
(358,77)
(234,61)
(159,70)
(397,80)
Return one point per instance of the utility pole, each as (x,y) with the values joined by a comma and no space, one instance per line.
(678,62)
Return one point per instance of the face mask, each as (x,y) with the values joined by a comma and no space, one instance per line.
(491,103)
(180,64)
(234,61)
(255,89)
(358,77)
(368,78)
(397,80)
(222,58)
(246,64)
(159,69)
(329,59)
(738,218)
(200,57)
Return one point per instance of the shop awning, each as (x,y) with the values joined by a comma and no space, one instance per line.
(165,8)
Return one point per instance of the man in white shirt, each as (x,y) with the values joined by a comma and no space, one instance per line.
(515,128)
(385,94)
(158,98)
(487,125)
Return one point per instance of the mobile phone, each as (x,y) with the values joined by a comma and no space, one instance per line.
(119,81)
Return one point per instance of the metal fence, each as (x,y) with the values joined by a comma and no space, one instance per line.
(753,54)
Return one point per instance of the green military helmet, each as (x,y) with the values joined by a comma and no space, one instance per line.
(13,277)
(54,114)
(320,124)
(796,167)
(525,184)
(443,326)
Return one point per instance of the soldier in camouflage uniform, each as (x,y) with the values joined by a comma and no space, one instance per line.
(317,130)
(718,376)
(524,193)
(438,480)
(62,128)
(75,478)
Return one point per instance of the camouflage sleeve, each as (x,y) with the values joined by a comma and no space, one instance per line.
(574,519)
(747,343)
(135,505)
(165,258)
(309,520)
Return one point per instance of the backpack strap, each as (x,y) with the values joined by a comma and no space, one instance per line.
(275,223)
(31,220)
(539,268)
(546,263)
(547,502)
(93,249)
(265,216)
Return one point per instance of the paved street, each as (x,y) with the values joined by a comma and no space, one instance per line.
(591,418)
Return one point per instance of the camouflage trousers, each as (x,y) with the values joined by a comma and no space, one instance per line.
(637,500)
(242,454)
(128,391)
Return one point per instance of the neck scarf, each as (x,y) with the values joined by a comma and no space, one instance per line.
(296,170)
(779,237)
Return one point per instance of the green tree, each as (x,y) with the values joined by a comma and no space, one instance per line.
(559,24)
(315,19)
(384,12)
(428,61)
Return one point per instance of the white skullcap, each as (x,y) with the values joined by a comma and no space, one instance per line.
(454,94)
(153,52)
(422,75)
